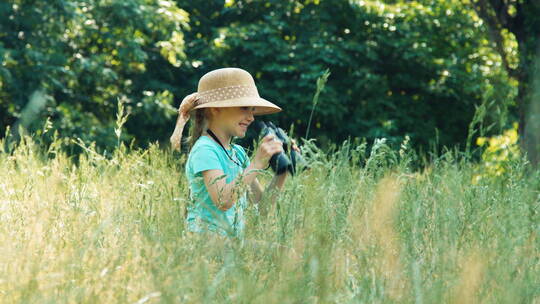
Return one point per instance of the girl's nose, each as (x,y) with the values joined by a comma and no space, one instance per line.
(251,117)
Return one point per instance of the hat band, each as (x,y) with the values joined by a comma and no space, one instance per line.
(229,92)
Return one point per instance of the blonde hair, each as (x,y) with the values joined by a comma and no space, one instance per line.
(199,124)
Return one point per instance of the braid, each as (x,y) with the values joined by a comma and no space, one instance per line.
(198,126)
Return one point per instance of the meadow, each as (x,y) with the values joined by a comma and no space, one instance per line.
(357,227)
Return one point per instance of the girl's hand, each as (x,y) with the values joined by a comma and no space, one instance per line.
(294,146)
(268,147)
(186,105)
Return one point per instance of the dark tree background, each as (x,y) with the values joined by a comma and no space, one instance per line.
(397,67)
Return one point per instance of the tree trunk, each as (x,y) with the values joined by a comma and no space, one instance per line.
(528,101)
(532,119)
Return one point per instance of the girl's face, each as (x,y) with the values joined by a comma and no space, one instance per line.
(234,120)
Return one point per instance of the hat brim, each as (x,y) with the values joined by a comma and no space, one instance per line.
(262,106)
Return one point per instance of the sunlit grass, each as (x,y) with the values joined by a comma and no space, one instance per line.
(110,230)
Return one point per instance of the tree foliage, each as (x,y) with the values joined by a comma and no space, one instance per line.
(397,68)
(85,55)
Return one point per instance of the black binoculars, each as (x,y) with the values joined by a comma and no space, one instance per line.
(287,160)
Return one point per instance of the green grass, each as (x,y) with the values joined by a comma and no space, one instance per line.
(355,228)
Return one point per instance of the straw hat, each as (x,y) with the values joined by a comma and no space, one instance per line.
(231,87)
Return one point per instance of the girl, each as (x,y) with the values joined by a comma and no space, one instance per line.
(217,170)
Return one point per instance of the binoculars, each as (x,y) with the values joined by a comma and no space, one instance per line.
(289,159)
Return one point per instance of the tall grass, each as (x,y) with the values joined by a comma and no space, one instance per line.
(355,228)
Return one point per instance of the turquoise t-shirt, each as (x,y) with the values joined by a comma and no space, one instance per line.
(202,213)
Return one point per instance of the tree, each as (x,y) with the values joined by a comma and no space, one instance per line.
(518,18)
(397,69)
(84,56)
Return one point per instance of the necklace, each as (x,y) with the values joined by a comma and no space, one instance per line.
(219,142)
(235,221)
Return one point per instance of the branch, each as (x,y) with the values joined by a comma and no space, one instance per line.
(487,12)
(500,8)
(516,24)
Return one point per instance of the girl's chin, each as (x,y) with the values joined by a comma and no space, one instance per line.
(241,132)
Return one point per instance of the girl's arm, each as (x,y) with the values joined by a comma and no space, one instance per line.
(183,116)
(176,137)
(257,190)
(277,183)
(223,194)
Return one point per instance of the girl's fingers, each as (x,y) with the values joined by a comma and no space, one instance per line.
(273,150)
(295,146)
(268,138)
(278,148)
(188,103)
(190,98)
(274,144)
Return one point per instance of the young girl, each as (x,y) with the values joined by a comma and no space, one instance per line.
(217,170)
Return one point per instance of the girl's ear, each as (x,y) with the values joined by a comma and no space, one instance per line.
(214,112)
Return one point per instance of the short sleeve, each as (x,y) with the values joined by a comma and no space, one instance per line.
(205,158)
(244,156)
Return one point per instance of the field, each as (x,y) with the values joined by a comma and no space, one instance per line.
(355,228)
